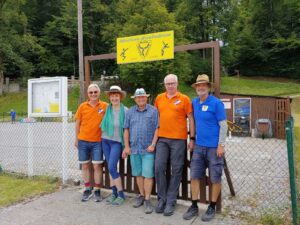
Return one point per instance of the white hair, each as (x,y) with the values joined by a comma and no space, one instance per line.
(171,76)
(94,85)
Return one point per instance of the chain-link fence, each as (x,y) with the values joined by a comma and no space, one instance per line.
(39,147)
(258,167)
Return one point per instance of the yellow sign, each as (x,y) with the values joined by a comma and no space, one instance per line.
(147,47)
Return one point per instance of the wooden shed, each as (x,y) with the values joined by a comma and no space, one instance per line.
(276,109)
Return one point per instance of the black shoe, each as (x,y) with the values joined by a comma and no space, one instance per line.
(209,215)
(190,213)
(160,206)
(169,210)
(139,201)
(98,197)
(87,194)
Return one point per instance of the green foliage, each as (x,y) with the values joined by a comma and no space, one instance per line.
(16,45)
(140,17)
(265,38)
(39,37)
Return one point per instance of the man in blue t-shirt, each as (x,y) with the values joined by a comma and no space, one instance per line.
(211,129)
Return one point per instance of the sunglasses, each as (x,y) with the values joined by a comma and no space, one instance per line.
(93,92)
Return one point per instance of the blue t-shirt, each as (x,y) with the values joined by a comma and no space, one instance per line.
(207,116)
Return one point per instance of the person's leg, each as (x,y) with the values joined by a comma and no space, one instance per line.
(161,160)
(197,172)
(215,165)
(97,160)
(106,151)
(177,156)
(84,158)
(136,171)
(148,175)
(115,155)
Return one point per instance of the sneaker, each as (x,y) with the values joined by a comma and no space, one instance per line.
(148,207)
(87,194)
(190,213)
(209,215)
(118,201)
(111,199)
(139,201)
(98,196)
(160,206)
(169,210)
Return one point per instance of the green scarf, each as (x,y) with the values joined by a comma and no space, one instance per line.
(107,124)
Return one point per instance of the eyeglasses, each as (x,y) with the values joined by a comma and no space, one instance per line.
(93,92)
(171,84)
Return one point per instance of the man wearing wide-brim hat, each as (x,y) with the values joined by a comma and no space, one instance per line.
(140,136)
(208,152)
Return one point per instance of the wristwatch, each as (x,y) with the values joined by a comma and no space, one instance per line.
(192,138)
(223,145)
(153,145)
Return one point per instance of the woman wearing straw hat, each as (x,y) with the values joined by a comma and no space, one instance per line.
(113,141)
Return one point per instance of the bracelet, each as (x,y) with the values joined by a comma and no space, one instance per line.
(192,138)
(153,145)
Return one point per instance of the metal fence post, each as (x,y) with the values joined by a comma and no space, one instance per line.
(289,129)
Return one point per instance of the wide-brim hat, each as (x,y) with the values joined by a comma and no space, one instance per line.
(140,92)
(116,89)
(201,79)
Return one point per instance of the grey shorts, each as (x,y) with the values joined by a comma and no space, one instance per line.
(204,157)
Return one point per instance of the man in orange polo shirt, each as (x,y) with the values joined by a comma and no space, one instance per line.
(88,140)
(174,108)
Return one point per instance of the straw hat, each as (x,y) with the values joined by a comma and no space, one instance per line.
(201,79)
(116,89)
(140,92)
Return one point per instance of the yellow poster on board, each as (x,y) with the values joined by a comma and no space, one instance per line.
(147,47)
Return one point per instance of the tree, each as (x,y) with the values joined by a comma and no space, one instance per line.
(265,38)
(142,17)
(16,45)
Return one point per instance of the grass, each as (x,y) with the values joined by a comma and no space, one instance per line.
(18,101)
(258,87)
(16,188)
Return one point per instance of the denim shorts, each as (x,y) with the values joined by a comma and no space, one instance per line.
(204,157)
(142,165)
(90,150)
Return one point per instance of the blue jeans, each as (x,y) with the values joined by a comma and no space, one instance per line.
(204,157)
(112,151)
(88,150)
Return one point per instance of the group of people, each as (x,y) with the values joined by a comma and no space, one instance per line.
(152,136)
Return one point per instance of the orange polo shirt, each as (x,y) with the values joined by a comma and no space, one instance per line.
(90,119)
(173,115)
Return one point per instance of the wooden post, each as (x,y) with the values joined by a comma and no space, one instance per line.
(80,50)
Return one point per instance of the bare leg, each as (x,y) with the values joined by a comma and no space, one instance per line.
(140,184)
(148,184)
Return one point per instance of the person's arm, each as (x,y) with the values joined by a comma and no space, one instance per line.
(77,129)
(151,147)
(222,138)
(192,131)
(127,150)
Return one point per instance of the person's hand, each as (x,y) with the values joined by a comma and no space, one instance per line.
(76,143)
(191,145)
(220,151)
(151,148)
(126,152)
